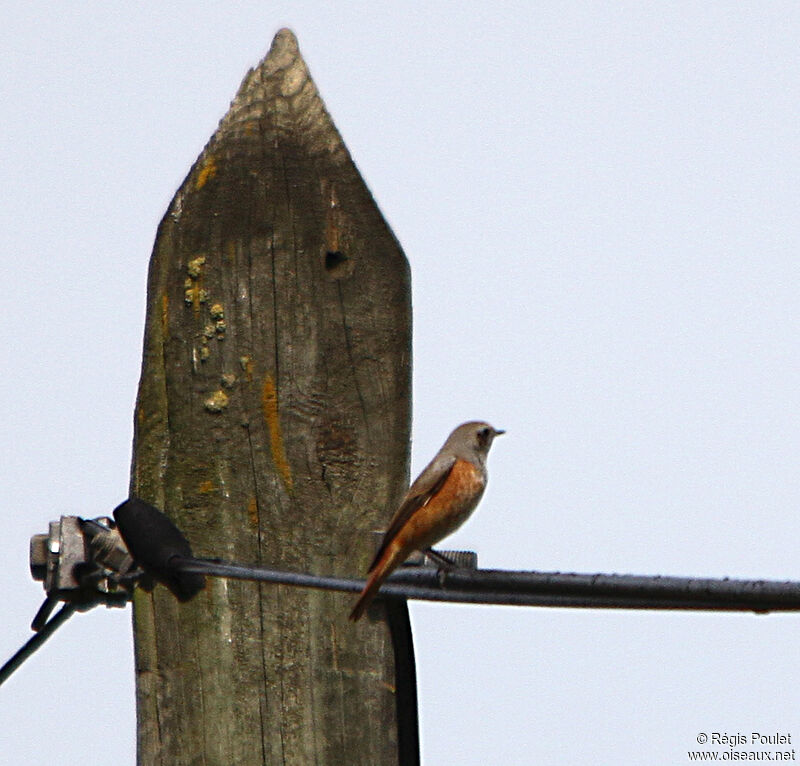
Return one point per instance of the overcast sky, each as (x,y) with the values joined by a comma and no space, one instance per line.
(599,204)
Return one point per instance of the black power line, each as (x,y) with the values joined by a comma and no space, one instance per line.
(523,588)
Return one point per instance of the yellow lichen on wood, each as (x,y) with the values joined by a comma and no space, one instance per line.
(164,314)
(195,267)
(217,402)
(269,405)
(207,171)
(194,294)
(252,511)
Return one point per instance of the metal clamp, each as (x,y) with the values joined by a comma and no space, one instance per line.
(84,562)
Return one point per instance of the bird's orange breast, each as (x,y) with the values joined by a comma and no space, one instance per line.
(447,510)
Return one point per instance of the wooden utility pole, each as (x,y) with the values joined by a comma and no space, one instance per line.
(272,425)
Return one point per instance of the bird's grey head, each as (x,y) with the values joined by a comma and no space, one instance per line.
(475,437)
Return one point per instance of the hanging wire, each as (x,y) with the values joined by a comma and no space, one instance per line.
(35,641)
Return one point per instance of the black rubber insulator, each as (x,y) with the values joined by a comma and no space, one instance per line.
(153,541)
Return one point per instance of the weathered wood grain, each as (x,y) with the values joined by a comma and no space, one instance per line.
(272,425)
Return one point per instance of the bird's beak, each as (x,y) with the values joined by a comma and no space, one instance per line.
(499,431)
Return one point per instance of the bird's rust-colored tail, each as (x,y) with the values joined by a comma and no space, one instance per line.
(382,568)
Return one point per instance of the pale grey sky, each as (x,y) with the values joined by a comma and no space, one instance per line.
(610,194)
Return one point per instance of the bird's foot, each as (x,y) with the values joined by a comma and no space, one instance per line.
(444,564)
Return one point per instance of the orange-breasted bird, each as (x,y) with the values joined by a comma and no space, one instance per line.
(437,503)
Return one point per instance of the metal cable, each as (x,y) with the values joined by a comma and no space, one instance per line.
(553,589)
(35,641)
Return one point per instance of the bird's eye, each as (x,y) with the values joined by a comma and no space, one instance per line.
(483,435)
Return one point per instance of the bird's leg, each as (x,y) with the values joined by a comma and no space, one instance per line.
(445,564)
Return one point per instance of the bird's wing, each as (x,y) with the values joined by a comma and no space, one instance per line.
(427,484)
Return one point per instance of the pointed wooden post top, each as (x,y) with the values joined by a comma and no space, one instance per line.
(280,90)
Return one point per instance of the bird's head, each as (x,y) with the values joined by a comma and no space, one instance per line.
(476,436)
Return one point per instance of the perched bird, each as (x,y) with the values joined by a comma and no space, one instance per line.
(437,503)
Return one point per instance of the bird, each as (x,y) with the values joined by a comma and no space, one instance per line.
(439,501)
